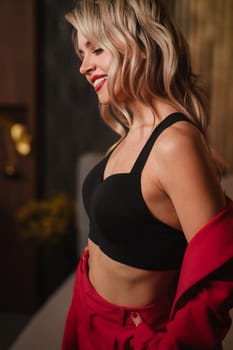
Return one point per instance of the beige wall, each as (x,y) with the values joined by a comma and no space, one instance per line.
(208,26)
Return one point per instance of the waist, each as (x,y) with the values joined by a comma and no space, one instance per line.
(129,286)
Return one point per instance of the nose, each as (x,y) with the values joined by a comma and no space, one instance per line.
(87,66)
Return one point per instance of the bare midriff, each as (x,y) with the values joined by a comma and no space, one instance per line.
(128,286)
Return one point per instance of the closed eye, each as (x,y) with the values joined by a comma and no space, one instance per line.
(98,51)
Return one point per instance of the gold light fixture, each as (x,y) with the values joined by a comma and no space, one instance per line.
(21,137)
(16,136)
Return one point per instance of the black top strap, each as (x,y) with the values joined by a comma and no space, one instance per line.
(164,124)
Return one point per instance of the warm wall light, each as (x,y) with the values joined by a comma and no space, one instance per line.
(16,137)
(21,137)
(17,131)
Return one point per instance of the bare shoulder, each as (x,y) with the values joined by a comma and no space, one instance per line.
(183,145)
(179,134)
(187,173)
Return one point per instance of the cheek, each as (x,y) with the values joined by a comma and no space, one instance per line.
(106,61)
(120,95)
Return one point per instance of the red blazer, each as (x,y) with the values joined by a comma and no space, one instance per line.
(199,316)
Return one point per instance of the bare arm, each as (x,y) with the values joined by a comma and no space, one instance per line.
(187,174)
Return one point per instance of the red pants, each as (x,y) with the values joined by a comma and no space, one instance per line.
(94,323)
(200,314)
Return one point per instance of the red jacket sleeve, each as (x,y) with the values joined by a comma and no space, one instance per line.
(200,323)
(199,317)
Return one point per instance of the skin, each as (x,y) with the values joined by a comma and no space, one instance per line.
(179,171)
(95,61)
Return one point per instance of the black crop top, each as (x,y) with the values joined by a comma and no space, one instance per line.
(121,223)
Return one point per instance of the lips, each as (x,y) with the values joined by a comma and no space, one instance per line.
(98,81)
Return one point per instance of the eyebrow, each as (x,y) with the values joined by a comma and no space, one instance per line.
(87,45)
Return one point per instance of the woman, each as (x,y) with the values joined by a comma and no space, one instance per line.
(157,272)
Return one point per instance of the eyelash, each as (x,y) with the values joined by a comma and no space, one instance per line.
(98,51)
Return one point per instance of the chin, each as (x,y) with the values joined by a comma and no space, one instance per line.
(104,100)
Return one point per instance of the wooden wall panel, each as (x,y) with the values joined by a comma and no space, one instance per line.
(222,81)
(208,26)
(18,269)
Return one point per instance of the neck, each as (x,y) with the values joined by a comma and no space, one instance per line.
(144,116)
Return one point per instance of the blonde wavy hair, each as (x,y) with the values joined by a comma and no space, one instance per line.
(148,51)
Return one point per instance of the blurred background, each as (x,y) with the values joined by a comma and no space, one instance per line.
(49,119)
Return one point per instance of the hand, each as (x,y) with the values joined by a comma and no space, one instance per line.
(136,318)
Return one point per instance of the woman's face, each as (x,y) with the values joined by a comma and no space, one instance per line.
(95,66)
